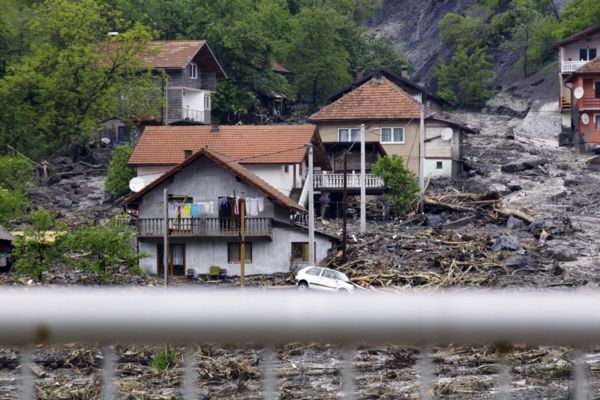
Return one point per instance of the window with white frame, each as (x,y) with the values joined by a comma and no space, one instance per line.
(206,102)
(597,117)
(193,71)
(587,54)
(348,134)
(392,135)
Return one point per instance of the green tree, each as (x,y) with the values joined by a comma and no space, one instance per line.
(458,31)
(74,77)
(41,247)
(15,173)
(467,79)
(321,63)
(119,173)
(400,183)
(104,249)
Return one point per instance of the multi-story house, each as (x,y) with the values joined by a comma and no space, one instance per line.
(191,71)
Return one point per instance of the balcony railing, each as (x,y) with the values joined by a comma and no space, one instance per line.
(204,227)
(572,66)
(336,181)
(193,115)
(589,104)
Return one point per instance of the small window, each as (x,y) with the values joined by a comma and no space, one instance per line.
(193,71)
(314,271)
(348,135)
(206,102)
(597,116)
(329,274)
(592,54)
(233,252)
(392,135)
(583,55)
(439,165)
(299,251)
(286,168)
(597,89)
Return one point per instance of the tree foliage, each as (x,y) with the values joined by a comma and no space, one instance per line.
(467,79)
(119,173)
(41,246)
(400,183)
(73,77)
(15,172)
(104,249)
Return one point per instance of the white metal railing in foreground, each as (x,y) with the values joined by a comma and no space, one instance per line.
(196,316)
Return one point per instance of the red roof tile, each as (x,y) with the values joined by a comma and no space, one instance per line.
(376,99)
(242,172)
(172,54)
(591,67)
(247,144)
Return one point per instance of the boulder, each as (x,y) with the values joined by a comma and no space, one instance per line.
(509,243)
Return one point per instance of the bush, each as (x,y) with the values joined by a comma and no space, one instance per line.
(400,183)
(41,246)
(14,174)
(467,79)
(119,173)
(165,359)
(105,249)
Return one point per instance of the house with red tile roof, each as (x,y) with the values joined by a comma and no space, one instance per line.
(585,106)
(390,107)
(277,154)
(191,73)
(209,195)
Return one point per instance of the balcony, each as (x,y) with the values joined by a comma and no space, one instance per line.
(336,181)
(571,66)
(194,115)
(204,227)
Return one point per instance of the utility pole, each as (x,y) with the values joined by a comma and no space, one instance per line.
(243,242)
(363,187)
(166,236)
(344,209)
(311,207)
(422,156)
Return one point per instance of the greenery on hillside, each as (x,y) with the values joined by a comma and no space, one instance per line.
(526,27)
(15,172)
(61,74)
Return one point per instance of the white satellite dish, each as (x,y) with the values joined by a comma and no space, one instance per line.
(446,134)
(136,184)
(579,92)
(585,118)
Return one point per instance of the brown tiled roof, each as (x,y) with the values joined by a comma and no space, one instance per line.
(172,54)
(280,68)
(247,144)
(376,99)
(242,172)
(591,67)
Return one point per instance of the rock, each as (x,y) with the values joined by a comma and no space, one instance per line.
(509,243)
(475,185)
(514,186)
(515,223)
(525,165)
(519,262)
(564,257)
(434,220)
(498,188)
(62,201)
(570,182)
(539,225)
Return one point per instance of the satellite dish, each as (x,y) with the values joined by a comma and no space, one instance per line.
(447,134)
(585,118)
(579,92)
(136,184)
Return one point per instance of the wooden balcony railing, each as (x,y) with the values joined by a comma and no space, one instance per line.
(589,103)
(204,227)
(336,181)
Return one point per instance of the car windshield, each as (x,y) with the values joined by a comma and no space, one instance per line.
(343,276)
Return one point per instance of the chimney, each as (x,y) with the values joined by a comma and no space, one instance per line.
(359,73)
(378,78)
(187,153)
(404,72)
(214,129)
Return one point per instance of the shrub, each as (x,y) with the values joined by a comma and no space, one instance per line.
(105,248)
(119,173)
(400,183)
(14,174)
(41,246)
(165,359)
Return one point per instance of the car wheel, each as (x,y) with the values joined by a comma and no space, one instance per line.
(302,286)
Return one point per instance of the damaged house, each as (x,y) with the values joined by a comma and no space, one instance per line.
(390,107)
(210,195)
(192,71)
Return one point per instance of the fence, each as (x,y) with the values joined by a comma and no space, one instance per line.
(183,316)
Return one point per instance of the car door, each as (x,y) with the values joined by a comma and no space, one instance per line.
(329,280)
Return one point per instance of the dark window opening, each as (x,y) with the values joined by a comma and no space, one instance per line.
(583,56)
(597,89)
(234,250)
(439,165)
(592,54)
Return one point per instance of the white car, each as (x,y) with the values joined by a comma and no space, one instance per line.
(318,278)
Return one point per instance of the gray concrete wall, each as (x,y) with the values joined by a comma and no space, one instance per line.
(268,256)
(204,180)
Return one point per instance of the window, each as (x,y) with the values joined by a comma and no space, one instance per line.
(329,274)
(439,165)
(176,259)
(233,252)
(597,117)
(300,251)
(286,168)
(392,135)
(348,134)
(206,102)
(597,89)
(193,71)
(587,54)
(314,271)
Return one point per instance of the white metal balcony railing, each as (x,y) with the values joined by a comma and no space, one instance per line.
(107,317)
(336,181)
(572,66)
(193,115)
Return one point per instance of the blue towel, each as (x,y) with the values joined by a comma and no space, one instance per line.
(195,210)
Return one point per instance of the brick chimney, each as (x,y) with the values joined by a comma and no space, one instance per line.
(187,153)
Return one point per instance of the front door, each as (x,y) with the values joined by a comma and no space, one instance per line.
(176,259)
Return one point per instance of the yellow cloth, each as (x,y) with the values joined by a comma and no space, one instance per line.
(187,210)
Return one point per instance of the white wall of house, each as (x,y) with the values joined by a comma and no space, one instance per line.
(268,256)
(572,51)
(194,104)
(435,168)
